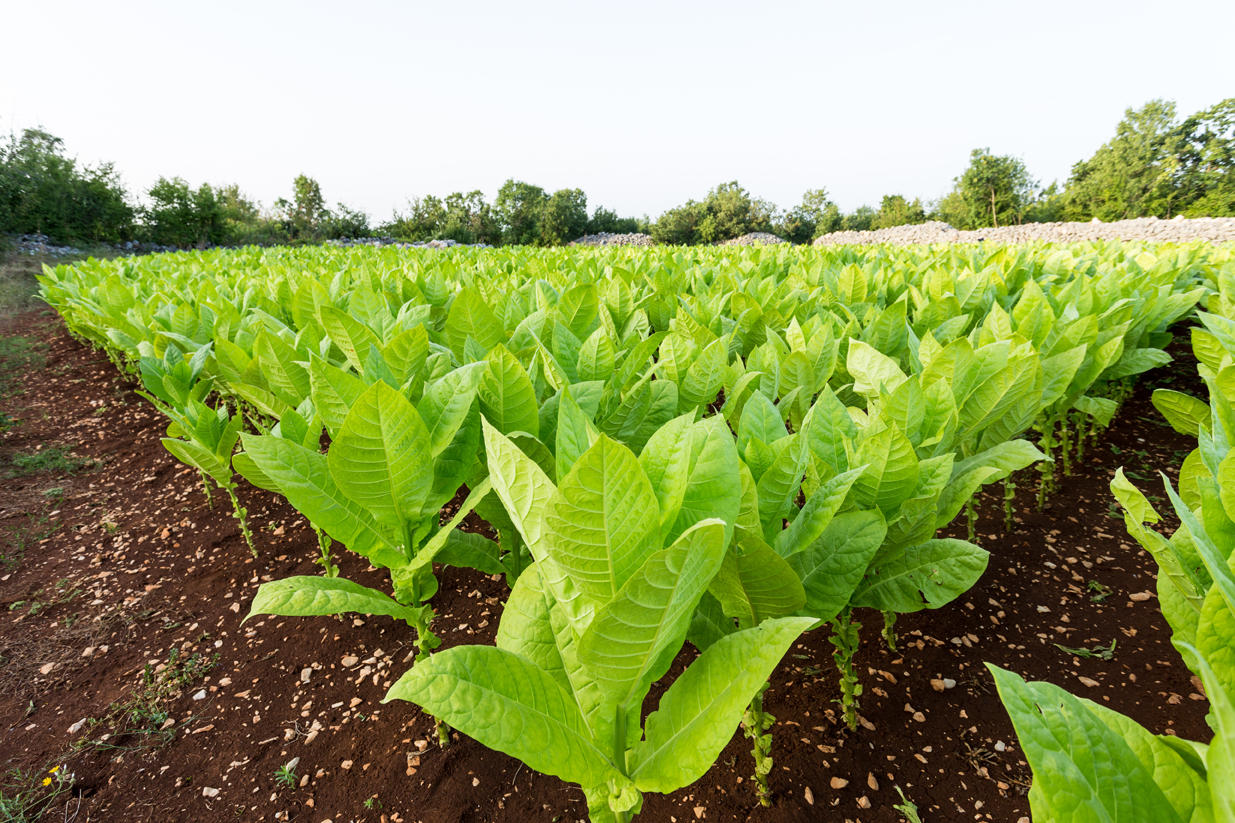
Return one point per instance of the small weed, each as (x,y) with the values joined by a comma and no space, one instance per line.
(144,714)
(55,494)
(26,795)
(373,803)
(17,356)
(1098,652)
(6,422)
(286,774)
(64,591)
(907,808)
(52,459)
(1098,591)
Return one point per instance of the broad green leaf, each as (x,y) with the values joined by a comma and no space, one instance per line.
(303,477)
(925,576)
(892,469)
(603,521)
(815,516)
(1101,409)
(506,703)
(333,391)
(828,428)
(779,485)
(666,460)
(381,457)
(712,487)
(650,615)
(526,628)
(575,432)
(1136,361)
(699,713)
(525,491)
(1186,414)
(521,485)
(447,402)
(1135,504)
(755,583)
(471,551)
(305,596)
(199,457)
(507,398)
(471,318)
(352,337)
(705,376)
(833,564)
(1083,769)
(760,421)
(873,371)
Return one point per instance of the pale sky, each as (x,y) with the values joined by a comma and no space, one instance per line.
(641,104)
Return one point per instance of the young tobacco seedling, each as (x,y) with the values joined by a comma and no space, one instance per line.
(590,626)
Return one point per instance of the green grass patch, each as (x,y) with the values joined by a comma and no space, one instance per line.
(17,355)
(57,459)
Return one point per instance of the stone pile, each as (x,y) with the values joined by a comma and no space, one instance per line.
(1153,229)
(605,238)
(403,244)
(755,238)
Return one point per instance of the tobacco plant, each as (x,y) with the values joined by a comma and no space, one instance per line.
(592,624)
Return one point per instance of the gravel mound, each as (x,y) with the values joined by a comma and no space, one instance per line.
(755,238)
(610,239)
(1175,230)
(40,245)
(415,244)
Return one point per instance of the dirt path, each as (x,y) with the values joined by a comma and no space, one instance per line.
(122,596)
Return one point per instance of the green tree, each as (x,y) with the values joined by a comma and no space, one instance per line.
(861,219)
(343,221)
(179,215)
(606,220)
(895,210)
(423,221)
(243,221)
(306,211)
(467,218)
(729,211)
(45,191)
(996,190)
(679,226)
(815,215)
(563,217)
(518,209)
(1133,174)
(1205,167)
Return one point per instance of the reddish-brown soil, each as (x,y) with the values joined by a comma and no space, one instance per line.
(126,563)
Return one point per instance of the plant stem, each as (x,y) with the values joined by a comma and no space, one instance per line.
(1080,438)
(1009,498)
(845,638)
(756,726)
(242,515)
(206,489)
(971,517)
(1046,468)
(889,629)
(1065,445)
(329,569)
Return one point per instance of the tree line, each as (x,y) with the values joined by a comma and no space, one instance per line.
(1157,164)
